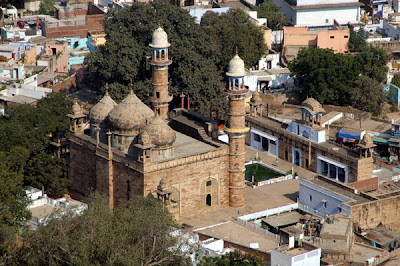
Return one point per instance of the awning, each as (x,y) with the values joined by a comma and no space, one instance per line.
(350,134)
(331,161)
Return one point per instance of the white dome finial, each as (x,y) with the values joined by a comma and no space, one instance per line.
(236,67)
(160,39)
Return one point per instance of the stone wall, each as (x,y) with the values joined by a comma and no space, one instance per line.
(365,185)
(385,211)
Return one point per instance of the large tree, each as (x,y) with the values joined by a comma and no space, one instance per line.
(276,20)
(139,233)
(233,31)
(324,75)
(330,77)
(368,95)
(357,41)
(196,55)
(24,139)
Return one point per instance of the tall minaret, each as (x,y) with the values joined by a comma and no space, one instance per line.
(236,130)
(160,61)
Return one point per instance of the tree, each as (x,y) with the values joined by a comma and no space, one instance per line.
(276,20)
(372,62)
(368,95)
(234,258)
(234,30)
(396,80)
(24,140)
(47,7)
(357,40)
(137,234)
(324,75)
(129,32)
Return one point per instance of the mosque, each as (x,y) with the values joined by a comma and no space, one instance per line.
(133,150)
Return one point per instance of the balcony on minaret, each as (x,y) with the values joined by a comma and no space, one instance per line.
(160,61)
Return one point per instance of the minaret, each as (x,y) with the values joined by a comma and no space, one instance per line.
(160,61)
(236,130)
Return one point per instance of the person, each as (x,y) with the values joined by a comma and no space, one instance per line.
(276,162)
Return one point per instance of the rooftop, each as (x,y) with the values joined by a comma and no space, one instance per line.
(295,251)
(283,219)
(381,235)
(42,211)
(339,226)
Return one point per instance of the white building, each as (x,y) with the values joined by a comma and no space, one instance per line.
(262,80)
(42,207)
(320,12)
(289,256)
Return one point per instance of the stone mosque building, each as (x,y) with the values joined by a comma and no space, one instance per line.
(133,150)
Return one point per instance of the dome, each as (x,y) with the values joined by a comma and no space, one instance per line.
(100,111)
(160,39)
(312,105)
(236,67)
(158,133)
(76,109)
(366,141)
(130,114)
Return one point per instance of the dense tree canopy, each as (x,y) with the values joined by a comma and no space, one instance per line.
(136,234)
(234,258)
(330,78)
(367,95)
(357,41)
(196,54)
(276,20)
(47,7)
(24,139)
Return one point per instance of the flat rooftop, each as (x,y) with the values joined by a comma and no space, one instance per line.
(339,227)
(283,219)
(42,211)
(339,188)
(294,251)
(239,234)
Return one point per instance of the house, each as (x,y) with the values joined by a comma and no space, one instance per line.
(375,7)
(42,207)
(293,255)
(303,143)
(58,49)
(310,13)
(296,38)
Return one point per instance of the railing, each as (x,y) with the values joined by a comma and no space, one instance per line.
(256,227)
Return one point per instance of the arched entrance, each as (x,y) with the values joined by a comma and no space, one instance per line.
(208,200)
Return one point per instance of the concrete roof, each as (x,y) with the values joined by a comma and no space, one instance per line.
(381,235)
(339,226)
(283,219)
(42,211)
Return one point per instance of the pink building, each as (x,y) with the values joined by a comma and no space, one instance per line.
(295,38)
(59,49)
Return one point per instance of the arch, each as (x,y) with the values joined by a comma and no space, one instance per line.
(162,54)
(208,200)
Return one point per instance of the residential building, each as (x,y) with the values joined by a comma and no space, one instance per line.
(310,13)
(291,255)
(267,79)
(58,49)
(296,38)
(42,207)
(303,142)
(375,7)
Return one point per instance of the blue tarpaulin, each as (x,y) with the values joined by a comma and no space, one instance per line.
(349,134)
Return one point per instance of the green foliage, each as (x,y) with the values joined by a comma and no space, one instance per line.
(367,95)
(276,20)
(199,56)
(234,30)
(24,140)
(396,80)
(357,41)
(330,78)
(47,7)
(234,258)
(136,234)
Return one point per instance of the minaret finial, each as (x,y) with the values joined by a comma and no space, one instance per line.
(159,24)
(237,50)
(107,93)
(131,86)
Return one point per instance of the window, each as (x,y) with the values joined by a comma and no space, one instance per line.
(339,209)
(326,20)
(208,183)
(325,204)
(256,137)
(310,198)
(158,95)
(346,36)
(332,37)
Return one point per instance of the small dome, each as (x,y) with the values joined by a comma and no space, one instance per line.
(367,141)
(160,39)
(256,98)
(130,114)
(158,133)
(312,105)
(100,111)
(162,185)
(76,109)
(236,67)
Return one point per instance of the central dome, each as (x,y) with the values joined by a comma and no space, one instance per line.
(100,111)
(160,39)
(131,114)
(236,67)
